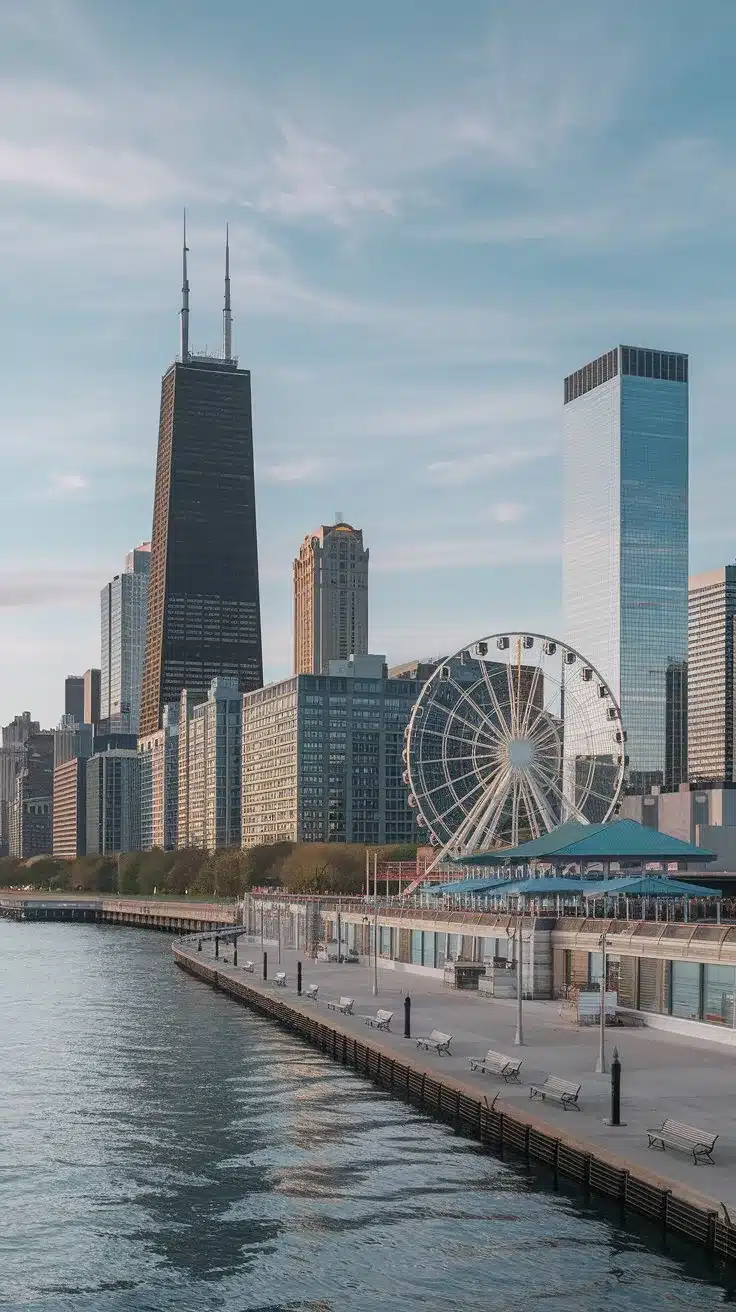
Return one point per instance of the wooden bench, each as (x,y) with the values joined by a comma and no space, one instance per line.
(497,1063)
(676,1134)
(279,979)
(381,1020)
(562,1091)
(437,1040)
(249,966)
(345,1005)
(311,991)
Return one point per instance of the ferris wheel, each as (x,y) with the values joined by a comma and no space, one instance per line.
(510,737)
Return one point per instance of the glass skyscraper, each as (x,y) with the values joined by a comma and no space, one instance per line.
(625,551)
(123,610)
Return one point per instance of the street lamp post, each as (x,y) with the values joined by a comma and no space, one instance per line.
(375,924)
(519,1036)
(600,1065)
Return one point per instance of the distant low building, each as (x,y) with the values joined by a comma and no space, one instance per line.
(72,739)
(419,670)
(700,815)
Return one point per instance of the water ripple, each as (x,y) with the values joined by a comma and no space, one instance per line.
(164,1150)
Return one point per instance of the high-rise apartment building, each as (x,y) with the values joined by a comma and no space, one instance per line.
(123,614)
(322,757)
(330,598)
(625,553)
(70,809)
(92,697)
(113,803)
(159,753)
(210,746)
(711,672)
(12,759)
(31,807)
(74,697)
(204,617)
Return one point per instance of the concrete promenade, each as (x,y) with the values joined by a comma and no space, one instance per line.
(662,1074)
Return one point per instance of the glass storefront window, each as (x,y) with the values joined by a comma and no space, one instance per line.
(719,987)
(686,977)
(654,985)
(428,948)
(416,947)
(453,946)
(595,967)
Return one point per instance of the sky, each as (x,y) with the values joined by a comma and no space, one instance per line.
(436,210)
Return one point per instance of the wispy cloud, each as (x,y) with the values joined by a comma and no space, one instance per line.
(462,552)
(40,585)
(64,485)
(312,179)
(292,471)
(483,464)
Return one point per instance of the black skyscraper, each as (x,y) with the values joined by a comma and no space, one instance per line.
(204,615)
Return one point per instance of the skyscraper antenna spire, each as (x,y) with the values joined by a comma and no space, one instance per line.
(227,318)
(184,298)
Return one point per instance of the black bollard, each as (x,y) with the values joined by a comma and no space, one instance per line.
(615,1089)
(299,978)
(265,965)
(407,1017)
(199,946)
(235,952)
(217,946)
(615,1117)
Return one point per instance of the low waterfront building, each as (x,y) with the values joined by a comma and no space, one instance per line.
(322,757)
(70,809)
(209,759)
(113,803)
(672,975)
(159,753)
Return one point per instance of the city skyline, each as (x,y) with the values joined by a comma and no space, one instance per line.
(413,278)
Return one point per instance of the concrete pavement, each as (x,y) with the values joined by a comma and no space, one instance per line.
(662,1074)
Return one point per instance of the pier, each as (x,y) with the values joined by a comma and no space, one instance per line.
(663,1075)
(169,915)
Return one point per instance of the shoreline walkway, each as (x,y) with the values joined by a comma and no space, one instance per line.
(663,1075)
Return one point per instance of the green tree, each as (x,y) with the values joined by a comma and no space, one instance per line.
(129,865)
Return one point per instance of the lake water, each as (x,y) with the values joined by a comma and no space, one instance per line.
(162,1148)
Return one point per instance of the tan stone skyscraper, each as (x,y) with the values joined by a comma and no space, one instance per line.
(330,598)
